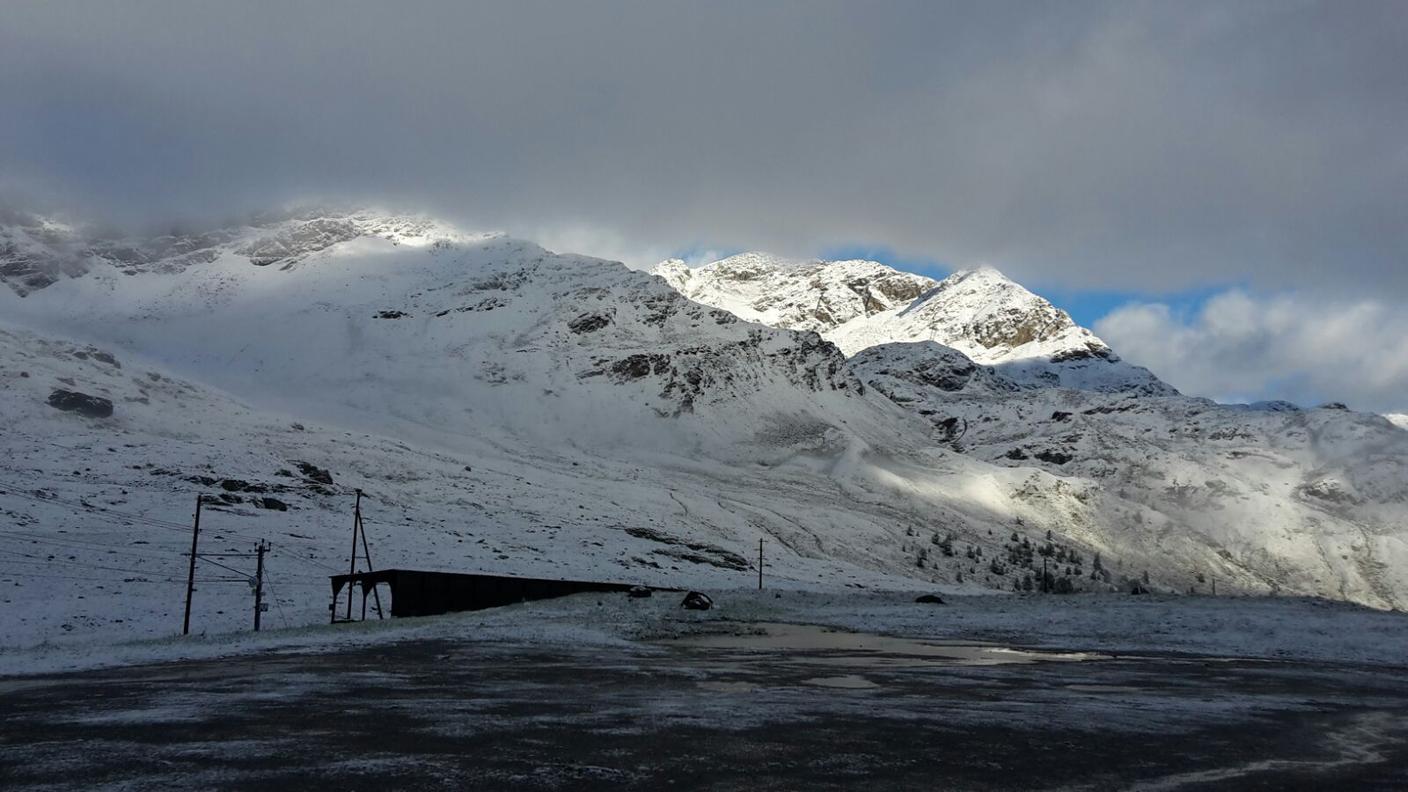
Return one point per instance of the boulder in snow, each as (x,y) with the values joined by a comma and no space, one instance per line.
(81,403)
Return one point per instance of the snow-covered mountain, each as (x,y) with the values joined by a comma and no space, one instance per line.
(1309,494)
(507,408)
(1007,378)
(860,304)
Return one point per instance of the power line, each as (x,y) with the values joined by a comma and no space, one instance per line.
(12,574)
(269,579)
(42,561)
(18,492)
(111,515)
(78,544)
(223,566)
(10,490)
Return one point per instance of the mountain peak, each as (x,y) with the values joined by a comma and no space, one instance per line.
(858,304)
(795,294)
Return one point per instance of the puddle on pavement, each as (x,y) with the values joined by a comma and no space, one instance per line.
(1104,689)
(845,682)
(824,645)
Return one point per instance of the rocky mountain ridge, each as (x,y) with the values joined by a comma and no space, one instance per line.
(860,304)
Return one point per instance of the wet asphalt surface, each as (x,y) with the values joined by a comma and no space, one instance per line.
(460,715)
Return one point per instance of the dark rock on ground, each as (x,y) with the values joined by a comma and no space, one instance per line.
(637,366)
(588,323)
(931,599)
(81,403)
(697,601)
(314,473)
(271,503)
(1054,457)
(638,592)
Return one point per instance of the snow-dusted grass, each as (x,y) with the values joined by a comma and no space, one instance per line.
(1289,629)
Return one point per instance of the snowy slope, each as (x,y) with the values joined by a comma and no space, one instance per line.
(860,304)
(1398,419)
(1293,496)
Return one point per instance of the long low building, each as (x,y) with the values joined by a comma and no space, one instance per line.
(417,592)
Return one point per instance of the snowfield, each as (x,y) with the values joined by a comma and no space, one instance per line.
(507,409)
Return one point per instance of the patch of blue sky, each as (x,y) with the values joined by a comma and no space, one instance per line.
(1088,306)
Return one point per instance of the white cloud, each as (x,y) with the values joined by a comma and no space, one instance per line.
(1245,347)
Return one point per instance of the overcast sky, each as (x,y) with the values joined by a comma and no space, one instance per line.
(1147,149)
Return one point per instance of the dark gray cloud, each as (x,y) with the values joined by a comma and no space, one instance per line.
(1124,145)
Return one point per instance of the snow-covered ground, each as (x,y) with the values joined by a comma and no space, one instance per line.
(1228,627)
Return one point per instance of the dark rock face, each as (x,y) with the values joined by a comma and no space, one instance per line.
(1054,457)
(696,601)
(273,504)
(314,473)
(588,323)
(930,599)
(81,403)
(1091,351)
(637,366)
(638,592)
(391,314)
(300,240)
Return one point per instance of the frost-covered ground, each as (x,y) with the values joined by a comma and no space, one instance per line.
(1232,627)
(617,693)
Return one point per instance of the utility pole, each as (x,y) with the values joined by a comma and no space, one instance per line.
(367,554)
(760,565)
(259,551)
(358,527)
(352,563)
(191,577)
